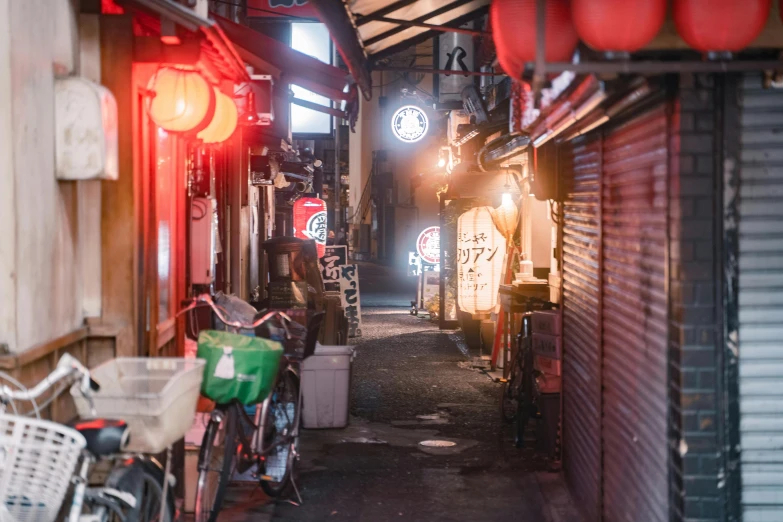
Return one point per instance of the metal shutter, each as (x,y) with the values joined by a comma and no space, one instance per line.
(761,301)
(634,209)
(581,365)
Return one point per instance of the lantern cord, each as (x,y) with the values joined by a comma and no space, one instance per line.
(202,207)
(554,215)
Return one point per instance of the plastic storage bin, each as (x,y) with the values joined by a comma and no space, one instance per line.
(155,396)
(326,383)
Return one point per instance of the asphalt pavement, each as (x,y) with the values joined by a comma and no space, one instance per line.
(411,383)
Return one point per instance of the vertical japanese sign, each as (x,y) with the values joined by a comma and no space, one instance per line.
(310,221)
(481,250)
(349,287)
(334,258)
(455,53)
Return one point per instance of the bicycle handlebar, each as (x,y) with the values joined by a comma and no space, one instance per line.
(66,367)
(275,314)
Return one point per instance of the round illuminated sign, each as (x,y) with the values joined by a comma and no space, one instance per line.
(409,124)
(428,245)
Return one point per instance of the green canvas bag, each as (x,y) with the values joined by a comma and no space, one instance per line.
(238,367)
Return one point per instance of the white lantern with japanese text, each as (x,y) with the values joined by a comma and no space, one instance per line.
(481,252)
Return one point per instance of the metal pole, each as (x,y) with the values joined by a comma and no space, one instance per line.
(337,184)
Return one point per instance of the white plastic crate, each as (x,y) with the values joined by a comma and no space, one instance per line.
(155,396)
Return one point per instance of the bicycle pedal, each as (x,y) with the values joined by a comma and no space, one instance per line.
(266,478)
(502,380)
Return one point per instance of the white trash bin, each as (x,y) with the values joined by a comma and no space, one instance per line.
(326,384)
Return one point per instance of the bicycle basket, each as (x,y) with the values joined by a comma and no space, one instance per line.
(37,461)
(238,367)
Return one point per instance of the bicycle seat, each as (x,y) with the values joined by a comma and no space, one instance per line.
(104,436)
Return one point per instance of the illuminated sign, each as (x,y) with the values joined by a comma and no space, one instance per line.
(310,221)
(428,245)
(409,124)
(481,251)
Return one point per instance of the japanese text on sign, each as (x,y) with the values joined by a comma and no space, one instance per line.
(481,250)
(334,258)
(349,287)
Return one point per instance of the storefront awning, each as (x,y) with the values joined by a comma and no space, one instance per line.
(286,64)
(215,46)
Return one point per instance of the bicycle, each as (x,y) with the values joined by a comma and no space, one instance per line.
(267,445)
(38,458)
(519,393)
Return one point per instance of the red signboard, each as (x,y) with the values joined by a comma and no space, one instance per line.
(310,221)
(428,245)
(281,8)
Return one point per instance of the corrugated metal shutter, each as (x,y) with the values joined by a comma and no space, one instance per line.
(634,209)
(761,301)
(581,365)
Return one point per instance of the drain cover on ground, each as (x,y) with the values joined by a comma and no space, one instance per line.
(437,443)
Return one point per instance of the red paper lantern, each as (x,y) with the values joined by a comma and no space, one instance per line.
(310,221)
(618,25)
(720,25)
(514,33)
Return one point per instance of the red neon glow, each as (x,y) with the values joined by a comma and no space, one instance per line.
(310,221)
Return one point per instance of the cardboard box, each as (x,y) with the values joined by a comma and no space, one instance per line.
(547,365)
(547,322)
(548,346)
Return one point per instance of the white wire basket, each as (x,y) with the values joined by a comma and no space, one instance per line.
(37,460)
(156,396)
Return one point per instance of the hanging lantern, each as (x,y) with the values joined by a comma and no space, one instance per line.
(310,221)
(514,33)
(720,25)
(224,121)
(183,101)
(506,216)
(618,25)
(481,252)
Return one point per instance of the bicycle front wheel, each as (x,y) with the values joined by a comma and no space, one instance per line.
(281,436)
(144,480)
(216,464)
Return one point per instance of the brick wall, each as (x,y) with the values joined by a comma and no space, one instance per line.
(695,295)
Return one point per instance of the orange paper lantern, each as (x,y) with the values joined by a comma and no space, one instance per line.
(183,101)
(223,122)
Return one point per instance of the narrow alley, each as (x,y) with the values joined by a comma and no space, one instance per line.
(407,387)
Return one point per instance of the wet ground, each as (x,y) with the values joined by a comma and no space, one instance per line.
(408,386)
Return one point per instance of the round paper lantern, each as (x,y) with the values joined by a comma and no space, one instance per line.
(481,253)
(310,221)
(720,25)
(183,100)
(618,25)
(223,122)
(514,33)
(506,216)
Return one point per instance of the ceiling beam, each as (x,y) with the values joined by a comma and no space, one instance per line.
(334,15)
(432,14)
(439,28)
(427,35)
(363,19)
